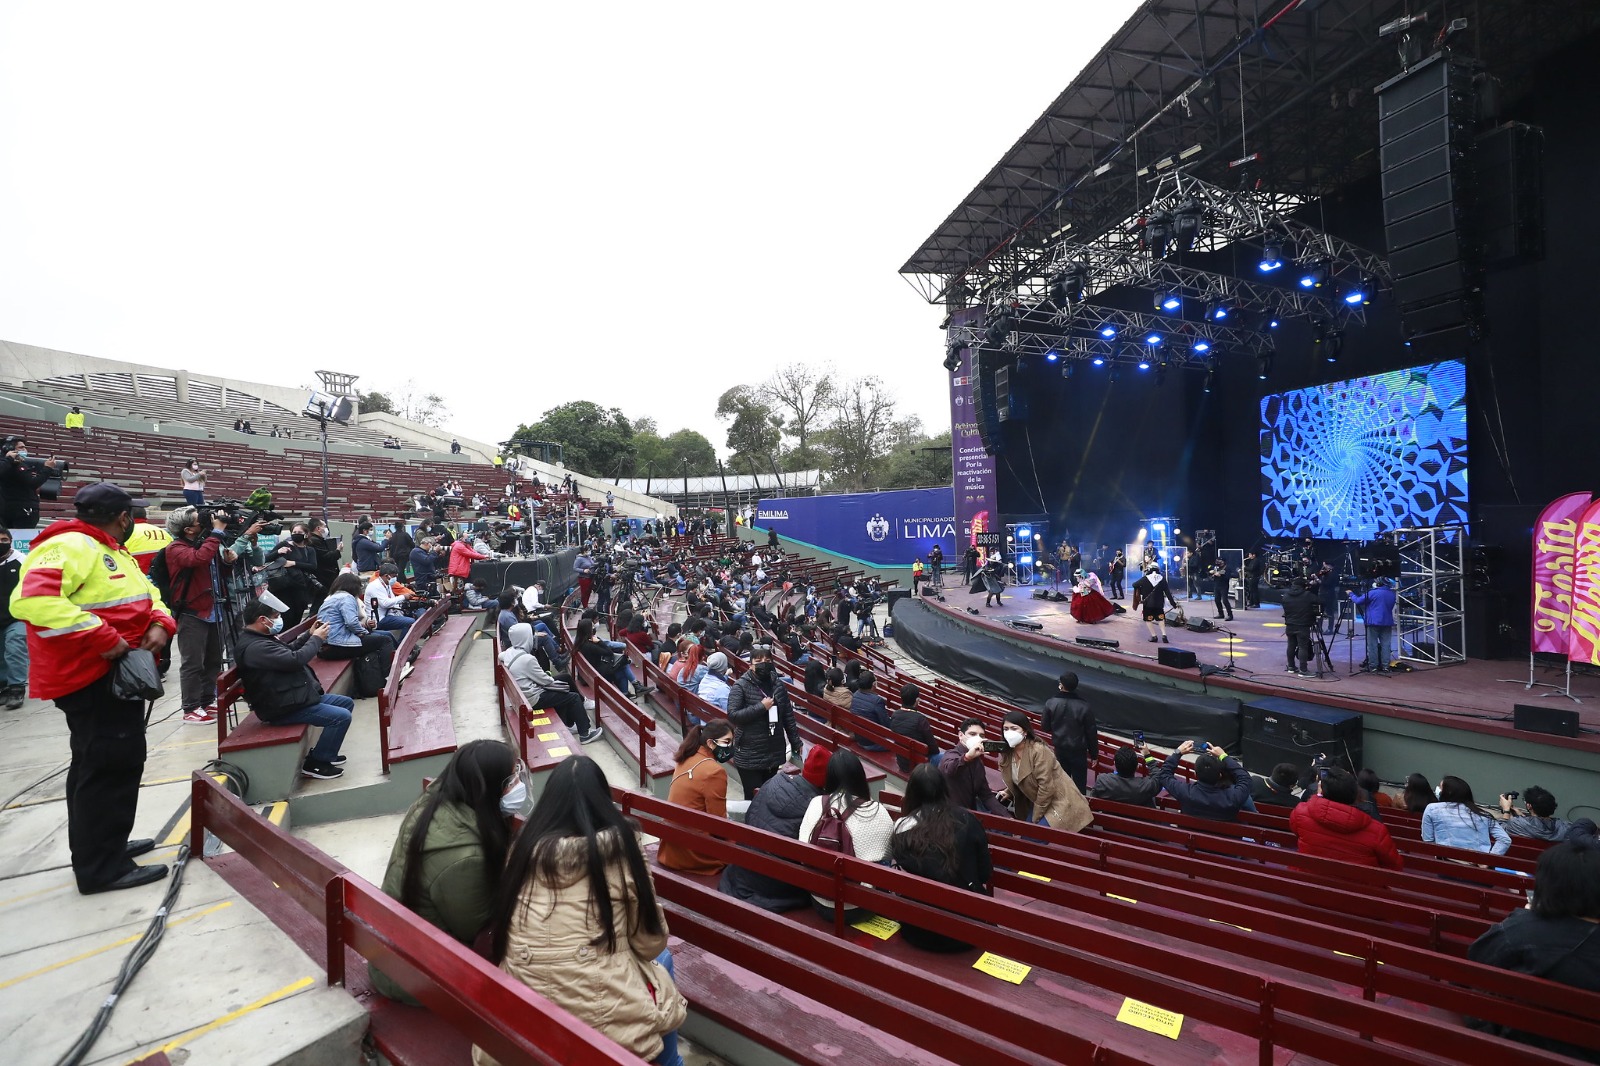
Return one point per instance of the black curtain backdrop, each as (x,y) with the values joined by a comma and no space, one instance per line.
(558,572)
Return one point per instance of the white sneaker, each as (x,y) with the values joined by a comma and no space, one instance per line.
(588,705)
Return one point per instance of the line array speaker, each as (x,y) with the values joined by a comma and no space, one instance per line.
(1002,393)
(985,411)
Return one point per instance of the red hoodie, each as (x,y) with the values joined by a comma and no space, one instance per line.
(79,591)
(1339,831)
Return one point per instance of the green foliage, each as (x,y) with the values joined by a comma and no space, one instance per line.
(660,456)
(375,403)
(755,433)
(596,441)
(916,462)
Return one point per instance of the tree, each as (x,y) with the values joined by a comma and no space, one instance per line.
(595,440)
(659,456)
(916,461)
(408,402)
(375,403)
(863,429)
(801,394)
(755,433)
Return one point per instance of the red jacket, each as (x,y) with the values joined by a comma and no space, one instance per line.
(189,569)
(461,558)
(1339,831)
(80,590)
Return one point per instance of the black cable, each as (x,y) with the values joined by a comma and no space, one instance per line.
(238,781)
(141,954)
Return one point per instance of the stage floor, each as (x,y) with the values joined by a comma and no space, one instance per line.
(1473,690)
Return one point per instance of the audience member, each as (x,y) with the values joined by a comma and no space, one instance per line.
(713,686)
(350,627)
(367,550)
(1038,789)
(193,480)
(779,808)
(1073,733)
(1417,795)
(1455,821)
(1122,786)
(1207,796)
(942,842)
(1368,780)
(912,724)
(577,918)
(20,482)
(762,717)
(866,703)
(965,773)
(282,690)
(1280,788)
(388,604)
(859,825)
(462,556)
(1329,825)
(399,545)
(836,691)
(325,551)
(701,784)
(540,689)
(13,631)
(194,574)
(1537,819)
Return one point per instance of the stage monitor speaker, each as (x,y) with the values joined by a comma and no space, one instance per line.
(1097,642)
(1181,658)
(1535,718)
(929,591)
(894,596)
(1041,594)
(1200,625)
(1024,623)
(1278,729)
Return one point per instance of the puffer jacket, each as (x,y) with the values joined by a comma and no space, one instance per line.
(779,807)
(1339,831)
(549,948)
(758,742)
(458,891)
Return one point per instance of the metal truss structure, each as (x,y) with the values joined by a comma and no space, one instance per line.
(1092,331)
(1269,98)
(1430,600)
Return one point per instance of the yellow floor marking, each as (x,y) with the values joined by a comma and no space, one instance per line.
(276,812)
(180,831)
(163,781)
(35,894)
(92,952)
(266,1000)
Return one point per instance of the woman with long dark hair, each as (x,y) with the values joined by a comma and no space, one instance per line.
(942,842)
(1418,794)
(1456,822)
(1037,787)
(845,791)
(701,784)
(816,682)
(578,922)
(448,857)
(609,662)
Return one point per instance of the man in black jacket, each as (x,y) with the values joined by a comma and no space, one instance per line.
(1072,728)
(914,725)
(1299,615)
(779,808)
(1278,789)
(282,690)
(1123,786)
(20,482)
(759,708)
(13,631)
(400,545)
(1207,796)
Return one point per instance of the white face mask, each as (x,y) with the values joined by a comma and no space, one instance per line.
(1014,737)
(275,626)
(972,743)
(1437,790)
(513,801)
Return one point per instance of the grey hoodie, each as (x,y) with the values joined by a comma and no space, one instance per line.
(523,665)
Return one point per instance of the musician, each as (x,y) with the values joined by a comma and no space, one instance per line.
(1219,588)
(1154,593)
(1194,567)
(1119,571)
(1064,565)
(935,564)
(969,564)
(1253,565)
(994,581)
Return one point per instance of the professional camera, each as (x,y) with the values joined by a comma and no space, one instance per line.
(241,514)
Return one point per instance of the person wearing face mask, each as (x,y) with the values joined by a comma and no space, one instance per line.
(282,690)
(762,716)
(699,783)
(194,563)
(294,578)
(87,604)
(1038,789)
(20,482)
(521,659)
(13,631)
(447,859)
(964,772)
(194,483)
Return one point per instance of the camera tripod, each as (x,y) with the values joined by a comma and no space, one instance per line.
(1319,650)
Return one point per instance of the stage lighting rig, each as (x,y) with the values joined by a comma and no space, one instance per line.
(1067,369)
(1271,256)
(1264,365)
(1158,234)
(1218,310)
(1170,302)
(952,356)
(1314,272)
(1161,372)
(1001,322)
(1069,286)
(1108,331)
(1333,345)
(1186,219)
(1211,377)
(1201,346)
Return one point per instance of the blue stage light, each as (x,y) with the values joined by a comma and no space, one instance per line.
(1024,532)
(1355,297)
(1051,356)
(1025,560)
(1153,339)
(1202,345)
(1272,323)
(1169,301)
(1099,360)
(1144,364)
(1108,331)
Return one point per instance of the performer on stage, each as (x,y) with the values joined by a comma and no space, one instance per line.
(936,565)
(1194,567)
(1219,588)
(1153,592)
(994,581)
(1063,563)
(969,564)
(1119,571)
(1253,564)
(1089,603)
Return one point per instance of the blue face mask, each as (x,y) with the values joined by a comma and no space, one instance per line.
(275,626)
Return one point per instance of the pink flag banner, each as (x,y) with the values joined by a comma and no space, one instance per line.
(1555,550)
(1585,618)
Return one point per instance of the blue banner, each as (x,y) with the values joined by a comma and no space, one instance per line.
(880,528)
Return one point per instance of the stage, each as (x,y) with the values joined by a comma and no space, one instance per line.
(1435,720)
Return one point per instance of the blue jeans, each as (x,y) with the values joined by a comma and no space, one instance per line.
(1380,644)
(669,1041)
(194,497)
(14,655)
(333,714)
(395,622)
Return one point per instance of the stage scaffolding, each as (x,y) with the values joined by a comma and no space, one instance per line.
(1430,602)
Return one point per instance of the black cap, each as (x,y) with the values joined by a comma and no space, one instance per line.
(107,498)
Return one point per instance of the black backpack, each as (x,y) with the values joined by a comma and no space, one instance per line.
(833,831)
(161,577)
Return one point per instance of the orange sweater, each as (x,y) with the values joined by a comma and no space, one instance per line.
(701,784)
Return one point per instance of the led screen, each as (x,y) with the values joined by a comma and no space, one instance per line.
(1357,458)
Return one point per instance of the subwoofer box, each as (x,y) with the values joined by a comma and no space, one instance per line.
(1181,658)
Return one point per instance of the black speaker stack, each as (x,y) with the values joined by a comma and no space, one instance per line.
(1278,729)
(1427,120)
(985,411)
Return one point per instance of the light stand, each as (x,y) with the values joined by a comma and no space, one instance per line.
(322,426)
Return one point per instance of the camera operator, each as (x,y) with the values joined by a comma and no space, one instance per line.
(20,481)
(293,578)
(325,551)
(194,563)
(1299,615)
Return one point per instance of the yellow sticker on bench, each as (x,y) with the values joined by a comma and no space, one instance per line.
(1033,877)
(1125,899)
(1347,955)
(1219,921)
(558,753)
(1003,968)
(1151,1019)
(541,721)
(882,928)
(548,737)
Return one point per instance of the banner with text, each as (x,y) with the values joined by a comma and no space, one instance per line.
(1585,623)
(972,471)
(1555,547)
(881,528)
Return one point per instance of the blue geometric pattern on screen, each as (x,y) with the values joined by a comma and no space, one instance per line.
(1357,458)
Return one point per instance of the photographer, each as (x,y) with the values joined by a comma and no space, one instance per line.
(292,575)
(1299,616)
(20,481)
(1208,796)
(1538,820)
(387,606)
(194,563)
(368,552)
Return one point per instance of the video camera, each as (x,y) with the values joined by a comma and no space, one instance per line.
(240,516)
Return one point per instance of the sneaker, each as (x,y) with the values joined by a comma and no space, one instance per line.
(337,760)
(588,705)
(200,716)
(1292,672)
(1152,640)
(320,770)
(14,697)
(591,736)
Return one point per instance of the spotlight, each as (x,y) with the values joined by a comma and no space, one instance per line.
(1108,331)
(1271,257)
(1068,286)
(1355,297)
(1272,322)
(1186,219)
(1099,360)
(1115,373)
(1158,235)
(999,326)
(1314,275)
(952,356)
(1052,356)
(1319,335)
(1144,364)
(1143,533)
(1169,301)
(1067,368)
(1264,365)
(1211,379)
(1218,310)
(1161,372)
(1333,346)
(1153,340)
(1361,295)
(1202,345)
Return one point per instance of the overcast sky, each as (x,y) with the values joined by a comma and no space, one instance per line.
(515,204)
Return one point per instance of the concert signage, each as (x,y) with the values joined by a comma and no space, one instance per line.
(973,471)
(1585,621)
(880,528)
(1555,550)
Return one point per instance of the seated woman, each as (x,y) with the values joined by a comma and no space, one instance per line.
(452,845)
(540,689)
(836,691)
(779,807)
(607,661)
(1456,822)
(1417,795)
(845,791)
(352,631)
(1038,789)
(700,783)
(942,842)
(1557,936)
(577,918)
